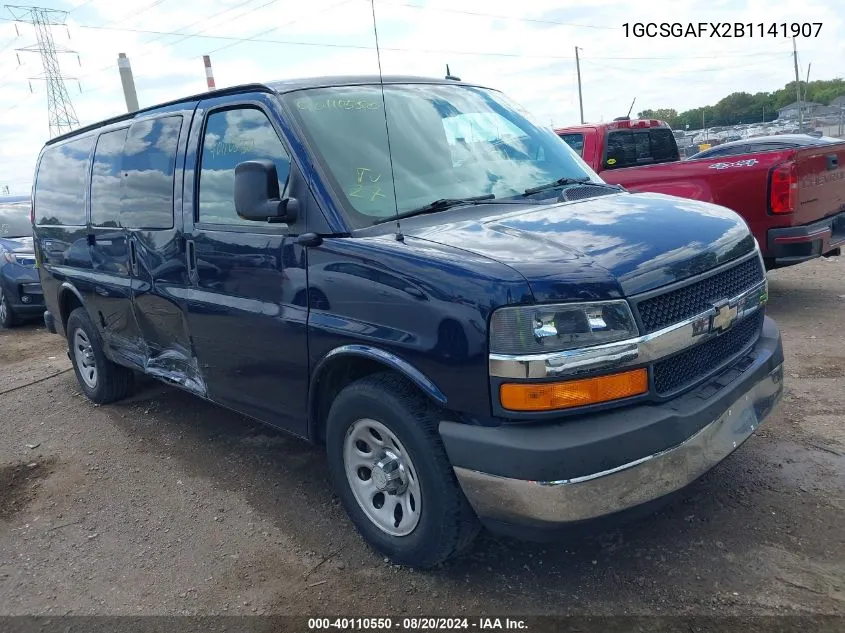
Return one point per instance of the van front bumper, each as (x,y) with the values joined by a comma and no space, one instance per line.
(550,475)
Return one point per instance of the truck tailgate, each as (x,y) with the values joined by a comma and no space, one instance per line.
(821,182)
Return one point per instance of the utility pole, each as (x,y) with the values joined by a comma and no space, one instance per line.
(797,85)
(807,87)
(128,83)
(61,115)
(578,70)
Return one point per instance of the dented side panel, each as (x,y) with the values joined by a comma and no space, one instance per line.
(160,275)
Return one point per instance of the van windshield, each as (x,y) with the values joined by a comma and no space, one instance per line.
(446,142)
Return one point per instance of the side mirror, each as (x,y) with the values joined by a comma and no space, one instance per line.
(257,194)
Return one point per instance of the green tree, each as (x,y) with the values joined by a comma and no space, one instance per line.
(670,115)
(743,107)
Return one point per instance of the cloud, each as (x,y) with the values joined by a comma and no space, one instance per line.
(532,62)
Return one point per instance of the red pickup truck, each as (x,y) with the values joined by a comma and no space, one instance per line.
(792,199)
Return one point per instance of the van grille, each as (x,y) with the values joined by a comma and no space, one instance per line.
(687,367)
(676,305)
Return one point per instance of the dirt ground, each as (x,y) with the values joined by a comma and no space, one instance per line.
(164,504)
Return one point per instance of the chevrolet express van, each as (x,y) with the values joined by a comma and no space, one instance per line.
(418,277)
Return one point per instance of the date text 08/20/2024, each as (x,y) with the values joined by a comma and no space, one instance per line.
(415,624)
(722,29)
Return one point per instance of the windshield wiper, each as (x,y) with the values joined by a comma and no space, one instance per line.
(560,182)
(438,205)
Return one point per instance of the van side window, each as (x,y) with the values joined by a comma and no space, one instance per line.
(61,183)
(149,164)
(233,137)
(105,178)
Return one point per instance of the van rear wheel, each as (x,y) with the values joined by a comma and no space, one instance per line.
(390,470)
(99,378)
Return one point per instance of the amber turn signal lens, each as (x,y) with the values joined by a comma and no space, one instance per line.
(573,393)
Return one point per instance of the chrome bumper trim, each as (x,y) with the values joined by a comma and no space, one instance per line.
(644,349)
(629,485)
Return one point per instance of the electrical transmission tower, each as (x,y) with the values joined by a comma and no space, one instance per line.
(62,116)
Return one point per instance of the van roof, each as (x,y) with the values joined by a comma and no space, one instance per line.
(278,87)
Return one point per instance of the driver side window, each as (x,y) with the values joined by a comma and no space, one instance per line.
(232,137)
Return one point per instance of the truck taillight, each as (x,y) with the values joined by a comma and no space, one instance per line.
(783,192)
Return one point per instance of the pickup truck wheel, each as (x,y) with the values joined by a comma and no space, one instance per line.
(100,379)
(392,475)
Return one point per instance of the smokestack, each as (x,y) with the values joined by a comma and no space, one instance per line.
(128,83)
(209,76)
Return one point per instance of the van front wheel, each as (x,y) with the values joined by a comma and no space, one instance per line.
(392,475)
(100,379)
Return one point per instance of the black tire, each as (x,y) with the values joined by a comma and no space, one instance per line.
(7,317)
(447,523)
(113,381)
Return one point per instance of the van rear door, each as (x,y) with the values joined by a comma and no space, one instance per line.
(109,296)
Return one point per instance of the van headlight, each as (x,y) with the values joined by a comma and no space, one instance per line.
(539,329)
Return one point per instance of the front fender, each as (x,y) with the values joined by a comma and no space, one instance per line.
(390,361)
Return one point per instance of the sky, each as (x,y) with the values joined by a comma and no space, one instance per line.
(527,50)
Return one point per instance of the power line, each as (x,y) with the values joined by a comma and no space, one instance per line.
(477,14)
(9,43)
(18,104)
(247,12)
(493,15)
(81,6)
(134,12)
(589,61)
(206,19)
(184,36)
(8,75)
(240,40)
(258,40)
(276,28)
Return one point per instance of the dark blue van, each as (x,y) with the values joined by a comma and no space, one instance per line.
(421,278)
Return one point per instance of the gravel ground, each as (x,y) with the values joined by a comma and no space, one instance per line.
(164,504)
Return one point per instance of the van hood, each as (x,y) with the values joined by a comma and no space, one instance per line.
(604,247)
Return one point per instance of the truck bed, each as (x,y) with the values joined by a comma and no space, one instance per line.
(743,183)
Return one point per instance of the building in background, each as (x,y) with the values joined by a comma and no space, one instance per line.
(791,111)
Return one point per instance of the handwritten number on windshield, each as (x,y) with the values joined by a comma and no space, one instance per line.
(365,178)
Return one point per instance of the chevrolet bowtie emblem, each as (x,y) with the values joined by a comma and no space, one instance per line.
(724,317)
